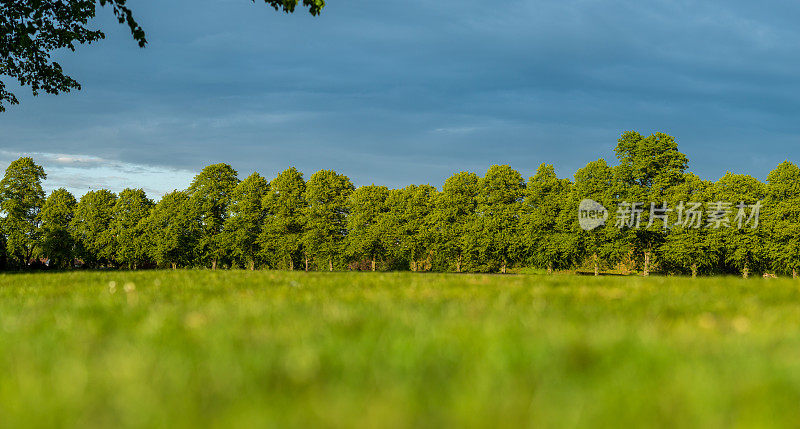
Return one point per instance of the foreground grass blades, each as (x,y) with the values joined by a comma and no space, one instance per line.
(236,349)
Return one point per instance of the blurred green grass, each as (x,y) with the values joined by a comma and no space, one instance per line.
(242,349)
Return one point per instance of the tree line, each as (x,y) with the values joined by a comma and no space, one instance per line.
(488,223)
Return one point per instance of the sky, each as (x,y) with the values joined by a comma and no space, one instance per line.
(398,92)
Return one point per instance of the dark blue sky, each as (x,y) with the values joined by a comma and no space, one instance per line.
(399,92)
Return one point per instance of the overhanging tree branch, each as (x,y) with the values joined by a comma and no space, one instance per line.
(30,30)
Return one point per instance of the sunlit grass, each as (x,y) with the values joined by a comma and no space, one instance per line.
(237,349)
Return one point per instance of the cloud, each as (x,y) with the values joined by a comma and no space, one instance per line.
(82,173)
(399,92)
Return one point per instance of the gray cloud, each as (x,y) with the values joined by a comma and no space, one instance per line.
(82,173)
(409,92)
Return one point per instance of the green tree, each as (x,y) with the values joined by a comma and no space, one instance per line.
(91,228)
(171,231)
(686,248)
(499,212)
(649,168)
(246,219)
(364,227)
(285,205)
(454,216)
(56,215)
(743,249)
(209,197)
(408,225)
(327,194)
(603,244)
(21,199)
(3,257)
(130,210)
(782,218)
(549,215)
(652,163)
(31,30)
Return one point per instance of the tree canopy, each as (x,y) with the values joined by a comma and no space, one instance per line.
(91,228)
(245,220)
(491,223)
(210,195)
(280,240)
(325,214)
(21,199)
(56,215)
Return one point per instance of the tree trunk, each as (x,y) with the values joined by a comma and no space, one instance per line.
(291,264)
(458,263)
(647,263)
(413,265)
(330,263)
(306,255)
(746,272)
(694,270)
(550,268)
(252,265)
(503,268)
(794,273)
(28,257)
(174,266)
(214,264)
(596,264)
(373,263)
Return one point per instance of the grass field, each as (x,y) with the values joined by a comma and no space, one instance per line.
(237,349)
